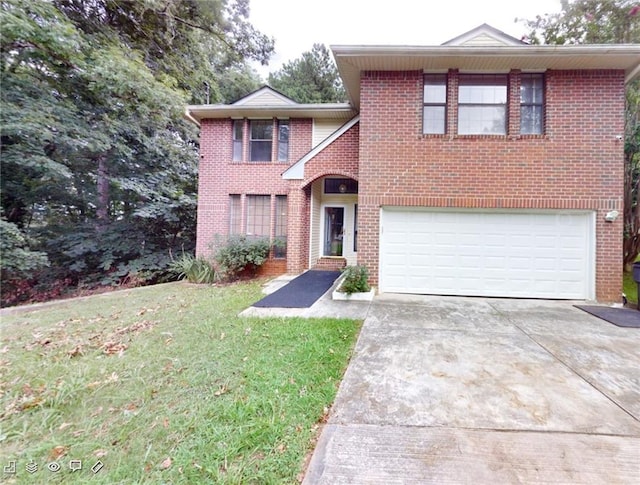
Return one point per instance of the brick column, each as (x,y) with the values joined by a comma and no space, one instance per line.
(296,240)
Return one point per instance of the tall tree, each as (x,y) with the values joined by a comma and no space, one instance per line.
(313,78)
(605,22)
(98,166)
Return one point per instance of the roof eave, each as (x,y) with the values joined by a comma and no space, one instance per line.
(352,59)
(329,110)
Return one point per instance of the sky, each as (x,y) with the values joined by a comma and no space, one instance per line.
(297,24)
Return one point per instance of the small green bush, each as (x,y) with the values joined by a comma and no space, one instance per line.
(240,253)
(195,270)
(355,280)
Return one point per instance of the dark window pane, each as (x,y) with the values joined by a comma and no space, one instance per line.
(532,104)
(261,129)
(280,243)
(260,151)
(283,141)
(261,140)
(340,186)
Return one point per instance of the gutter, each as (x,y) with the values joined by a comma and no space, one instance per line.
(188,116)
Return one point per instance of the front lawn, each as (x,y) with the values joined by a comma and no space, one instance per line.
(629,287)
(166,384)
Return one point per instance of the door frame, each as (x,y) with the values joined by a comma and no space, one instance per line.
(323,227)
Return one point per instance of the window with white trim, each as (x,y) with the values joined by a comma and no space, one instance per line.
(482,104)
(262,136)
(532,104)
(434,110)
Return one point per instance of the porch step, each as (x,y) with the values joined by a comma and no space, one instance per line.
(330,264)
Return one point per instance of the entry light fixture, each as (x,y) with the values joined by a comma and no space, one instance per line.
(611,216)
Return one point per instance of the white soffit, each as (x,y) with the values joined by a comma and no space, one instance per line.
(352,60)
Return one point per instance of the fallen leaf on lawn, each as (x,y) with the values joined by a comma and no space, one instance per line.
(281,447)
(166,463)
(93,384)
(76,351)
(111,348)
(168,366)
(247,330)
(58,452)
(112,378)
(165,422)
(331,351)
(100,453)
(244,359)
(4,349)
(64,426)
(223,389)
(147,467)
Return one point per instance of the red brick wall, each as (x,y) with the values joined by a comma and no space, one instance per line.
(576,164)
(219,177)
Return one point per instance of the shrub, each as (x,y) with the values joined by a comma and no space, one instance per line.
(195,270)
(355,280)
(240,253)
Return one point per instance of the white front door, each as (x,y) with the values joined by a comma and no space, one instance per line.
(338,231)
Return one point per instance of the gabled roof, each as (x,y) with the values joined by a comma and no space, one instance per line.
(264,95)
(296,171)
(484,35)
(483,49)
(266,102)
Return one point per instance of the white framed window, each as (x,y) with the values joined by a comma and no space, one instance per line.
(532,104)
(434,110)
(482,104)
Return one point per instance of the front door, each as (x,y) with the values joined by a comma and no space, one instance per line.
(333,231)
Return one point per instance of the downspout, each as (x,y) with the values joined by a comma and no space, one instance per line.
(188,116)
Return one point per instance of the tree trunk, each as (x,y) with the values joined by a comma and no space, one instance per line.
(102,211)
(631,246)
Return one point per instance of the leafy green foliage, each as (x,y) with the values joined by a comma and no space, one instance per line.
(195,270)
(98,165)
(605,22)
(239,253)
(313,78)
(355,280)
(17,258)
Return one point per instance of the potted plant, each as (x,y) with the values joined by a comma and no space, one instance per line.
(353,285)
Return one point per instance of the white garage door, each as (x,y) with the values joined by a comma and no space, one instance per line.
(476,253)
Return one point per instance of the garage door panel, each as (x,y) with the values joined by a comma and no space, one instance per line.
(545,255)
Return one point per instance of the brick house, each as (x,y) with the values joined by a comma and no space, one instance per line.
(484,166)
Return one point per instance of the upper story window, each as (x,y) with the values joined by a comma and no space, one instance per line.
(482,104)
(283,140)
(532,104)
(262,145)
(261,132)
(238,128)
(435,104)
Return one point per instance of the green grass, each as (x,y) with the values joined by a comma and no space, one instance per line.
(629,287)
(166,384)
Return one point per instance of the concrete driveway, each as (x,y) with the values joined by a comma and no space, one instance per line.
(471,390)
